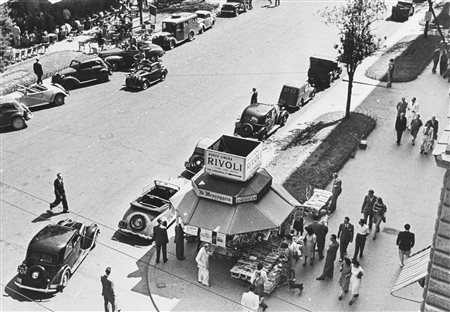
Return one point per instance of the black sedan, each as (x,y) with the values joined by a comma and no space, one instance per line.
(145,75)
(124,58)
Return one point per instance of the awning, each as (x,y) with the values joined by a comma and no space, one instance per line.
(415,268)
(267,213)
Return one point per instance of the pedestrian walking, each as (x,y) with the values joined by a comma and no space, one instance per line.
(257,280)
(309,245)
(60,193)
(402,106)
(161,239)
(390,75)
(321,231)
(355,280)
(109,296)
(367,207)
(362,231)
(400,126)
(298,225)
(254,98)
(412,110)
(250,4)
(328,268)
(443,62)
(427,139)
(405,242)
(345,234)
(344,279)
(202,260)
(379,215)
(416,123)
(335,192)
(250,301)
(179,241)
(436,56)
(435,125)
(37,68)
(277,2)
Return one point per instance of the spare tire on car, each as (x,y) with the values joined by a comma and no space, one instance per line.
(246,130)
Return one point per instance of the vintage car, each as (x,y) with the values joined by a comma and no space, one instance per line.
(80,72)
(13,113)
(176,29)
(145,210)
(123,58)
(295,95)
(206,19)
(197,159)
(402,11)
(145,75)
(323,70)
(54,254)
(230,8)
(258,120)
(39,95)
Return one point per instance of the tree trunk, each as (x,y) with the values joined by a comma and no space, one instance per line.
(349,93)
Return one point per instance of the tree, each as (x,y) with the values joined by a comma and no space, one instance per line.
(5,31)
(354,20)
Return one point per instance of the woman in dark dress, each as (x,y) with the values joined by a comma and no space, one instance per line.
(328,268)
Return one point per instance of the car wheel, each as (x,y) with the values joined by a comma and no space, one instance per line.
(94,240)
(201,30)
(145,85)
(212,24)
(191,36)
(65,280)
(59,99)
(104,77)
(198,162)
(312,94)
(246,130)
(163,76)
(236,13)
(302,101)
(36,275)
(114,66)
(171,44)
(18,123)
(283,120)
(137,222)
(154,58)
(262,136)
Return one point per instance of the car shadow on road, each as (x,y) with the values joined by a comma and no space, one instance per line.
(23,295)
(42,107)
(10,129)
(131,240)
(46,216)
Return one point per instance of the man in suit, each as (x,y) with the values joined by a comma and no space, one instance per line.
(367,207)
(405,242)
(161,239)
(60,194)
(254,98)
(335,192)
(435,125)
(345,234)
(321,231)
(108,294)
(37,68)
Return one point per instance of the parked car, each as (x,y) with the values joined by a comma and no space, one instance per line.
(145,75)
(13,113)
(295,95)
(176,29)
(258,120)
(402,11)
(54,254)
(145,210)
(80,72)
(234,7)
(206,19)
(123,58)
(197,159)
(323,70)
(37,94)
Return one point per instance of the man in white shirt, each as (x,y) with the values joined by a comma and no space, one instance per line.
(203,264)
(250,302)
(258,279)
(362,231)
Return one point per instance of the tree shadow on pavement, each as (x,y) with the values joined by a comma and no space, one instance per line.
(143,265)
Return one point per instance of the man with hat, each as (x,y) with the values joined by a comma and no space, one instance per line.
(161,239)
(37,68)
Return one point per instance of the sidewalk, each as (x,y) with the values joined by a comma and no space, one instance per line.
(408,182)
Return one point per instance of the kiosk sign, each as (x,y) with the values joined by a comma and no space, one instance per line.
(239,166)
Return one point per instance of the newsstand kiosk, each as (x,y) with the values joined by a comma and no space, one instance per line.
(238,209)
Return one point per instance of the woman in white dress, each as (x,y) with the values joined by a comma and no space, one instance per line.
(413,110)
(427,140)
(355,280)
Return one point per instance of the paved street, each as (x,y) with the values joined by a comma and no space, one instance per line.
(109,143)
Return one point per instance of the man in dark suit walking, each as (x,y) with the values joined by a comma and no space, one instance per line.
(254,98)
(60,193)
(345,233)
(108,294)
(367,207)
(335,192)
(161,239)
(405,242)
(37,68)
(321,231)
